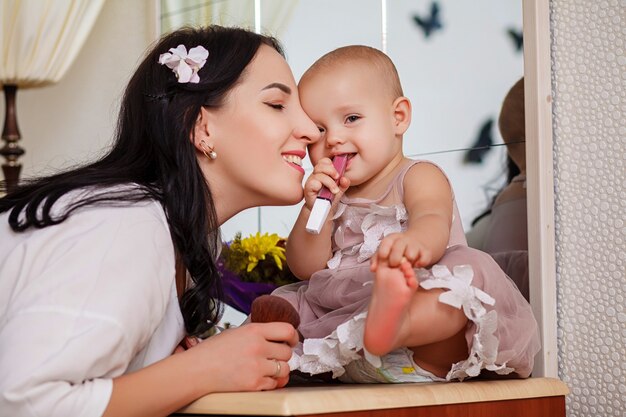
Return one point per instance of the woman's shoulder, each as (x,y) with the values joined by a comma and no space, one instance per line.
(106,252)
(513,192)
(122,203)
(137,224)
(90,229)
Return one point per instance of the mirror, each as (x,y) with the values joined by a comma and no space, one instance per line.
(455,75)
(456,61)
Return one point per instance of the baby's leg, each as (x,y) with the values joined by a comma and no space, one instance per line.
(389,308)
(401,314)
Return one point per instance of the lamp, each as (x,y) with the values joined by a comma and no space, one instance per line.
(39,40)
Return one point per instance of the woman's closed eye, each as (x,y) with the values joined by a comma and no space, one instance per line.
(277,106)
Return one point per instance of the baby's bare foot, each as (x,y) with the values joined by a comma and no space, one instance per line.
(391,296)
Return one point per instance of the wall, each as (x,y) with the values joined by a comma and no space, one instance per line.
(589,74)
(456,78)
(72,121)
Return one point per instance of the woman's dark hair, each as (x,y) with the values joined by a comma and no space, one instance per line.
(152,149)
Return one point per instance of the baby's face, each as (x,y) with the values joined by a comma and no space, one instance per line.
(354,113)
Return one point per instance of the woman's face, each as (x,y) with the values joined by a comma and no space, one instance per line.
(260,135)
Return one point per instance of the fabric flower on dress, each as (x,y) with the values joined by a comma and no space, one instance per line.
(377,223)
(185,64)
(381,222)
(333,352)
(463,295)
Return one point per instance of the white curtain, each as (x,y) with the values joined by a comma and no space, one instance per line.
(39,39)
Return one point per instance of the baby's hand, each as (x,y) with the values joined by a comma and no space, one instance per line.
(397,247)
(324,174)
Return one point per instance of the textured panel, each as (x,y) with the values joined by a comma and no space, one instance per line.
(589,78)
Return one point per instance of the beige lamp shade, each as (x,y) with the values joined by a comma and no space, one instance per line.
(39,40)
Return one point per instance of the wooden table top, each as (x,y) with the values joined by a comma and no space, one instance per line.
(320,398)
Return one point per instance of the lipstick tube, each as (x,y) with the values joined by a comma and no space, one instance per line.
(324,199)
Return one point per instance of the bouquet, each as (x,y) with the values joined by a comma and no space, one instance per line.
(253,266)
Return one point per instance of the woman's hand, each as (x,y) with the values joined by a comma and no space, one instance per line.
(324,175)
(252,357)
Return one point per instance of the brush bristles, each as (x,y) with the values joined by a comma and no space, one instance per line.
(270,308)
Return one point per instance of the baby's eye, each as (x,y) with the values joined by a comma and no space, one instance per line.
(321,129)
(352,118)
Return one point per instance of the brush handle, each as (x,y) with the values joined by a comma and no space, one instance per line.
(322,204)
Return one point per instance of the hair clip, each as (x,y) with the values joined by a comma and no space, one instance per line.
(185,65)
(157,97)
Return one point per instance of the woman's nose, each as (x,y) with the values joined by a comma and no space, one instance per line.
(307,130)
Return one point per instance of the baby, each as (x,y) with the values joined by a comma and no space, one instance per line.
(390,290)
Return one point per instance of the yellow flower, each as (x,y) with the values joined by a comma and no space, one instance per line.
(259,246)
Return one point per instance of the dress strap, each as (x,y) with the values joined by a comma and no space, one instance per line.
(396,183)
(399,182)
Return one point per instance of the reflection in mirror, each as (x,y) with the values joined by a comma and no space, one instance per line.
(456,61)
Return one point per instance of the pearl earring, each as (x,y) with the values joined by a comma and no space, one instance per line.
(211,154)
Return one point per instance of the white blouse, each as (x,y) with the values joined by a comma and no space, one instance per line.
(83,302)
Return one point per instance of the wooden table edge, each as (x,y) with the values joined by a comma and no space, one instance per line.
(348,397)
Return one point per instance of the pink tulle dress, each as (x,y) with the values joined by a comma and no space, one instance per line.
(502,334)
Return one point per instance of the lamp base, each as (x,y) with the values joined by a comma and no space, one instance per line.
(11,151)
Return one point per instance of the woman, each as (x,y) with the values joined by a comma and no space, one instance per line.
(95,261)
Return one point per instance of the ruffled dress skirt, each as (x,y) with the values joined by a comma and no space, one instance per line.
(501,334)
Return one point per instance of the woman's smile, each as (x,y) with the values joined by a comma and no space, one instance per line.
(294,159)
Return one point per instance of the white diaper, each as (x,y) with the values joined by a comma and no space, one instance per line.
(396,367)
(343,354)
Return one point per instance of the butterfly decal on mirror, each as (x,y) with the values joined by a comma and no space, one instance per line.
(482,144)
(431,23)
(517,37)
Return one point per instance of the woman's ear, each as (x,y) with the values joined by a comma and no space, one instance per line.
(401,115)
(201,130)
